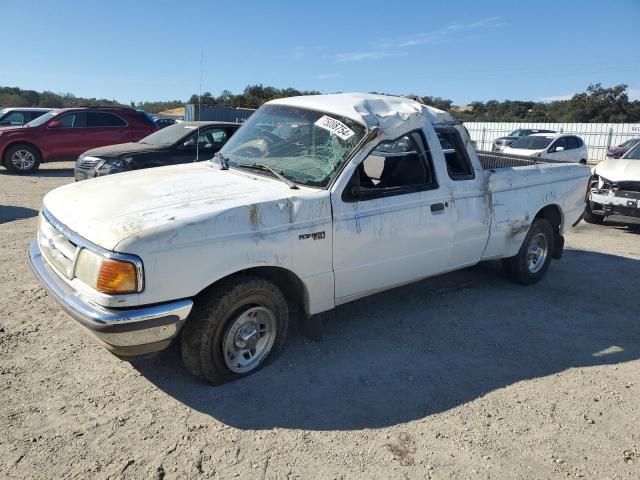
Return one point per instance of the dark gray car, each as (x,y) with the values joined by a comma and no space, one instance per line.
(501,143)
(179,143)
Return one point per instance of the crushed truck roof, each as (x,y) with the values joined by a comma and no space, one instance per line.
(382,111)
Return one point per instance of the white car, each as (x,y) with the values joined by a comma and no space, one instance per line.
(364,199)
(554,146)
(615,188)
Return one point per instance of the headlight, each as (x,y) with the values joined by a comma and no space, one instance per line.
(113,164)
(108,275)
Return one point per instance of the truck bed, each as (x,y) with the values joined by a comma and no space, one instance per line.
(494,160)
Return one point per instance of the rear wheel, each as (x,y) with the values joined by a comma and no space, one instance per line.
(533,258)
(234,330)
(22,159)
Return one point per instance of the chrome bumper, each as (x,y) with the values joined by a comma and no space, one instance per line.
(125,332)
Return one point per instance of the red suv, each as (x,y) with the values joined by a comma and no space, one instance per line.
(64,134)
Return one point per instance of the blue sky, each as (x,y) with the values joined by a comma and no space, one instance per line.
(465,50)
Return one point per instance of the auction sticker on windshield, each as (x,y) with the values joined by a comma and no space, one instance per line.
(336,127)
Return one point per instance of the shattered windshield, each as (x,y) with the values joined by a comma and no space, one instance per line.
(305,146)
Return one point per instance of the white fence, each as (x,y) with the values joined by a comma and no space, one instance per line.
(597,136)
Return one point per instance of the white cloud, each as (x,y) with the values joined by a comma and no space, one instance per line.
(370,55)
(326,76)
(395,47)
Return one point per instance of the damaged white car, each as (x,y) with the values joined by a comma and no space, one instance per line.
(316,201)
(615,188)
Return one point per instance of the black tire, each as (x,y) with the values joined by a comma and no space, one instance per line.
(30,152)
(518,267)
(212,319)
(591,217)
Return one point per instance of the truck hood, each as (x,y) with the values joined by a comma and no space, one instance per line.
(120,149)
(619,170)
(108,210)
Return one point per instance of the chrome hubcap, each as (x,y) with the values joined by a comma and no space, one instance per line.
(23,159)
(249,339)
(537,253)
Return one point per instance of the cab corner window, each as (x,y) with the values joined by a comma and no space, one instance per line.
(455,154)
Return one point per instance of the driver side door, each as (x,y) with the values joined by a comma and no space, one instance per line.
(393,223)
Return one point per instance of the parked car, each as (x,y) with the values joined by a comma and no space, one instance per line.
(164,122)
(66,133)
(179,143)
(554,146)
(221,251)
(18,116)
(503,142)
(620,150)
(615,188)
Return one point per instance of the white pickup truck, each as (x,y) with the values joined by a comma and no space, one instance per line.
(314,202)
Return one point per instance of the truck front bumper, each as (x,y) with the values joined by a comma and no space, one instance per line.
(127,332)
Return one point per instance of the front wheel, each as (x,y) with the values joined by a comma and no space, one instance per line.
(235,329)
(22,159)
(533,258)
(591,217)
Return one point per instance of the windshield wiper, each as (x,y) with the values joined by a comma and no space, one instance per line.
(224,161)
(266,168)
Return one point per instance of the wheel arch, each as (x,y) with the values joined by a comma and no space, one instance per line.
(553,214)
(292,287)
(21,142)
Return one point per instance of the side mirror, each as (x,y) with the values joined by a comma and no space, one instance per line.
(54,124)
(559,149)
(189,143)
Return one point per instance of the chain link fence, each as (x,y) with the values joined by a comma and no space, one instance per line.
(598,137)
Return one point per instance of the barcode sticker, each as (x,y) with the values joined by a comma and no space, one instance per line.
(336,127)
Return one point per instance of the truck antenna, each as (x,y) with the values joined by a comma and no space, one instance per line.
(199,108)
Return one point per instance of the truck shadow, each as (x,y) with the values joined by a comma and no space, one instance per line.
(9,213)
(429,347)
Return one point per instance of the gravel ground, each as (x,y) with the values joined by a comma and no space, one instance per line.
(461,376)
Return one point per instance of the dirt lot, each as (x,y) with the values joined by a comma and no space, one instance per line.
(461,376)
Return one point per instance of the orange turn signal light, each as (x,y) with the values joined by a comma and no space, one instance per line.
(117,277)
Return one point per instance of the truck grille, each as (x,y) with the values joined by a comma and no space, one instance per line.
(56,248)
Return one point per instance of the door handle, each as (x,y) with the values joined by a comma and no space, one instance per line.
(437,207)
